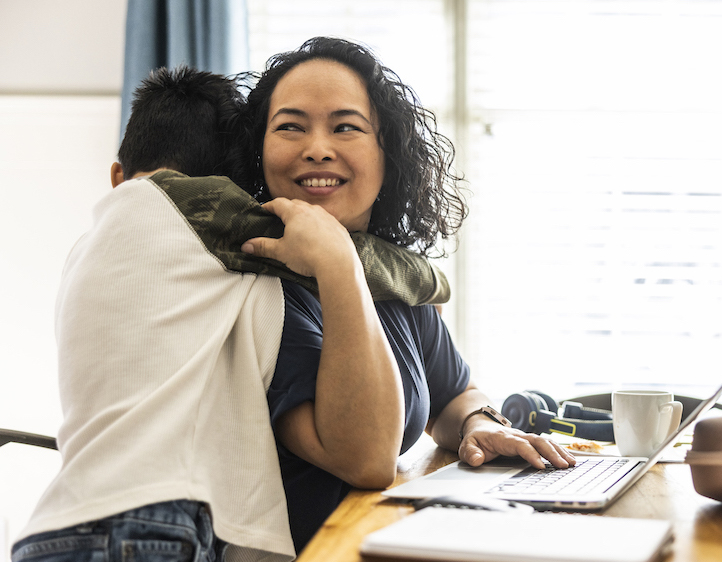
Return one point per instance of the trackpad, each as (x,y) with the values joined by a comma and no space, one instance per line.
(454,479)
(475,476)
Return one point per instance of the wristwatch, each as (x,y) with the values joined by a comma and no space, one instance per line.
(489,412)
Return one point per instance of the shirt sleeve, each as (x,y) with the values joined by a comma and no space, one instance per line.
(447,374)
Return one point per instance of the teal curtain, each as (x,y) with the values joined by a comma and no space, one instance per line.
(205,34)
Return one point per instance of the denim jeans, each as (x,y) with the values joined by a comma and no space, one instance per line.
(176,531)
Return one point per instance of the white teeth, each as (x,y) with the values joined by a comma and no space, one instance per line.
(323,182)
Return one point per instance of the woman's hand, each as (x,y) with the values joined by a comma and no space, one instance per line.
(313,239)
(485,440)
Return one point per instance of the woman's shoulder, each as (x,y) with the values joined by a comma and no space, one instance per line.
(420,318)
(303,301)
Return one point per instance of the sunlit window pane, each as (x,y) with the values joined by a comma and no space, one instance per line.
(594,244)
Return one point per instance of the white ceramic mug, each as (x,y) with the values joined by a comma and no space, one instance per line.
(643,419)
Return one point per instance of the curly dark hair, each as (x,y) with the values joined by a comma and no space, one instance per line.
(420,199)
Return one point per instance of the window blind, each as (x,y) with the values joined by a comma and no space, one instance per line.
(593,248)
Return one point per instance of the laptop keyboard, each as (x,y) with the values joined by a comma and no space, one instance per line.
(587,475)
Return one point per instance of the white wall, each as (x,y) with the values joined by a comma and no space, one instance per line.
(62,46)
(60,80)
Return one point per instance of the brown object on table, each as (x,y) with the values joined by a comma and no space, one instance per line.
(665,492)
(705,458)
(585,447)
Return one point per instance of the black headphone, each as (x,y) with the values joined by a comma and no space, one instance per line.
(535,412)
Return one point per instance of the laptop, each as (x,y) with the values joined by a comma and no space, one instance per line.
(592,484)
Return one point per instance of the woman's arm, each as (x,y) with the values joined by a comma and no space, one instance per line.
(484,439)
(355,426)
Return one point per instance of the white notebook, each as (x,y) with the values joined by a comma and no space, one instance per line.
(438,533)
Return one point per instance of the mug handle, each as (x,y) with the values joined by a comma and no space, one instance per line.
(675,410)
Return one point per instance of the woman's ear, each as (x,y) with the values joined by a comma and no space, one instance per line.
(116,174)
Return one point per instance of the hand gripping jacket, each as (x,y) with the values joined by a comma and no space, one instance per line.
(224,216)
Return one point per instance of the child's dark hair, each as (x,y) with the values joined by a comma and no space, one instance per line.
(180,119)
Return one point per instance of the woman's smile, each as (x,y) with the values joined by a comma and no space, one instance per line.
(314,180)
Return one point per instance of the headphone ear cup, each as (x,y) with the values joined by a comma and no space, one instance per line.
(550,403)
(521,410)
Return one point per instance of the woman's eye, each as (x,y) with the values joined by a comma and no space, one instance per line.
(288,127)
(346,127)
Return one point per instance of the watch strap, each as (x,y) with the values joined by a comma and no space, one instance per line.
(489,412)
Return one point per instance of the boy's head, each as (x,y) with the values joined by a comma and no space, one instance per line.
(181,119)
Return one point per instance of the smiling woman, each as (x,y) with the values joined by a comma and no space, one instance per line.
(341,144)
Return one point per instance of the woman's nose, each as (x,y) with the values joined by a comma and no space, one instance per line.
(318,148)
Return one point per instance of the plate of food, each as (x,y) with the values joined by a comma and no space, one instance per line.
(585,447)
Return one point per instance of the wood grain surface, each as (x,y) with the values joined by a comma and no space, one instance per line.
(665,492)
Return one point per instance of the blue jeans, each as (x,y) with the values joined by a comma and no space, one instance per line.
(177,531)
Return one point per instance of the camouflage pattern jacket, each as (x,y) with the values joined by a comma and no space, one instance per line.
(224,216)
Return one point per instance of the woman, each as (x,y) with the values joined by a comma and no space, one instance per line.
(340,146)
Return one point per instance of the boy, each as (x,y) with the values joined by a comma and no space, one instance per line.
(166,350)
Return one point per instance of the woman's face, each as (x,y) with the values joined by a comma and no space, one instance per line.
(321,142)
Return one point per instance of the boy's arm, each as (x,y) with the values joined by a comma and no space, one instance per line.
(224,216)
(393,272)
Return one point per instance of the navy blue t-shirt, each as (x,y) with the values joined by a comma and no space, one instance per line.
(432,372)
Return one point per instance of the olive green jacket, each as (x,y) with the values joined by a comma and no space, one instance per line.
(224,216)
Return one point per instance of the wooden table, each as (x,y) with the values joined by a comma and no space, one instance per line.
(665,492)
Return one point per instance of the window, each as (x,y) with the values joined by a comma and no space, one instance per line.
(587,131)
(593,250)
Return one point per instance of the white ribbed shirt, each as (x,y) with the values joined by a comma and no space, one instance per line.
(164,361)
